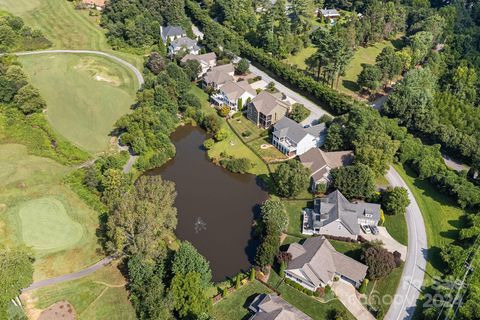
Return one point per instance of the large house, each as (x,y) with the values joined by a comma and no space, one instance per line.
(184,44)
(293,140)
(272,307)
(336,216)
(171,33)
(315,263)
(207,61)
(218,76)
(320,163)
(330,14)
(265,110)
(231,93)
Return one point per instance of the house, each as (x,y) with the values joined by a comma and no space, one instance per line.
(183,44)
(272,307)
(171,33)
(218,76)
(315,263)
(231,93)
(336,216)
(330,14)
(265,110)
(293,140)
(207,61)
(320,163)
(94,4)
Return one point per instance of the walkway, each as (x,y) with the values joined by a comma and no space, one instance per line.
(347,295)
(137,73)
(315,110)
(409,289)
(72,276)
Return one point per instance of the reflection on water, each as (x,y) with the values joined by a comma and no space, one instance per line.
(215,207)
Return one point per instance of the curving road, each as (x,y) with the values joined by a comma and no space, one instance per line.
(408,291)
(130,66)
(71,276)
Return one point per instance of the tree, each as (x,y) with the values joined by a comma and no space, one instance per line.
(274,215)
(242,66)
(267,250)
(221,134)
(291,178)
(237,282)
(380,262)
(7,90)
(192,69)
(16,273)
(155,63)
(370,77)
(209,143)
(421,43)
(376,150)
(335,139)
(299,113)
(464,84)
(28,100)
(355,181)
(143,219)
(395,200)
(188,296)
(16,75)
(187,259)
(389,64)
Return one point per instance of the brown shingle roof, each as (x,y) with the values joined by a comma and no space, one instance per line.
(266,102)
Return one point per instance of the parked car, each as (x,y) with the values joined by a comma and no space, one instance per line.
(374,229)
(307,126)
(365,229)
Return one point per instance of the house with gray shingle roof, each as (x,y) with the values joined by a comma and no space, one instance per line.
(172,33)
(336,216)
(293,140)
(183,44)
(272,307)
(315,263)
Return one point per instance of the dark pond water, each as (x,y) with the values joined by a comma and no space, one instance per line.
(215,207)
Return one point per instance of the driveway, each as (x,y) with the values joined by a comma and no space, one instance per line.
(347,295)
(408,291)
(388,242)
(315,110)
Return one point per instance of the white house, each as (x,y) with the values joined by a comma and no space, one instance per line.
(231,93)
(293,140)
(315,263)
(183,44)
(207,61)
(336,216)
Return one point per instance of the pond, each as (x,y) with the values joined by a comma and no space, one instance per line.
(216,208)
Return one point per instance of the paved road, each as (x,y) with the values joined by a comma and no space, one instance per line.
(411,282)
(72,276)
(137,73)
(315,110)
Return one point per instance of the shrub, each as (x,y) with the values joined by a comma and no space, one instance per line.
(282,269)
(221,134)
(237,115)
(246,133)
(363,287)
(237,282)
(224,111)
(320,292)
(242,165)
(252,274)
(328,289)
(209,143)
(380,262)
(299,113)
(224,292)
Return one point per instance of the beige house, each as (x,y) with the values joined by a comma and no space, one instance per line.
(320,163)
(231,93)
(265,110)
(207,61)
(272,307)
(315,263)
(218,76)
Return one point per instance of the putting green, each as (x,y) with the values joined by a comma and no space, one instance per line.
(46,225)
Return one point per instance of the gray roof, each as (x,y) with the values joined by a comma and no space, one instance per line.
(272,307)
(319,262)
(329,13)
(184,42)
(172,31)
(266,103)
(336,207)
(317,160)
(234,90)
(286,127)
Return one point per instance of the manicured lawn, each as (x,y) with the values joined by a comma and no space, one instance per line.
(242,125)
(381,182)
(301,56)
(38,210)
(309,305)
(294,210)
(352,250)
(442,217)
(64,26)
(381,292)
(234,306)
(85,95)
(397,227)
(101,295)
(348,83)
(268,154)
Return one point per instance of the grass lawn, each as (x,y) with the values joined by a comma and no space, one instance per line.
(234,306)
(38,210)
(64,26)
(442,217)
(85,95)
(270,154)
(381,292)
(309,305)
(294,211)
(348,83)
(301,56)
(101,295)
(242,124)
(397,227)
(352,250)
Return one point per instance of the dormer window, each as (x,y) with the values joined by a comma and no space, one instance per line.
(368,215)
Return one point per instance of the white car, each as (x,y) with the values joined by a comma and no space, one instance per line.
(365,229)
